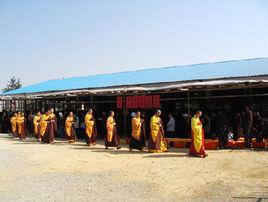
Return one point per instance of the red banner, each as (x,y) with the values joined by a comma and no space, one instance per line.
(119,102)
(139,101)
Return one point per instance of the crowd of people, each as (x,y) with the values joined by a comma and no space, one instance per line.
(248,124)
(48,125)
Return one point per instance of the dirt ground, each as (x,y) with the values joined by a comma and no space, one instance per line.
(30,171)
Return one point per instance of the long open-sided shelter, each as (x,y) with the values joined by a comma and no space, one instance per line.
(183,89)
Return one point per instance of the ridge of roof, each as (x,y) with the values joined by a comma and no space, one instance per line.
(161,68)
(176,73)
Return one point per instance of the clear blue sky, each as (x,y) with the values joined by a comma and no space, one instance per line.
(47,39)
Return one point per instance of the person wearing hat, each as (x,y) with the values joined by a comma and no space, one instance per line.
(157,142)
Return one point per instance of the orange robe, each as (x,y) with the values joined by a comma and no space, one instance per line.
(197,147)
(111,138)
(69,128)
(37,126)
(137,140)
(110,128)
(53,126)
(156,142)
(91,129)
(44,129)
(21,127)
(136,128)
(13,122)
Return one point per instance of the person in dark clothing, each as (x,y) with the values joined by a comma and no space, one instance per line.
(30,124)
(247,122)
(101,124)
(143,127)
(129,124)
(207,126)
(220,124)
(5,122)
(213,126)
(237,123)
(184,126)
(61,124)
(257,127)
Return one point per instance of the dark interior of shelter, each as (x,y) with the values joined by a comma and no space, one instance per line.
(181,104)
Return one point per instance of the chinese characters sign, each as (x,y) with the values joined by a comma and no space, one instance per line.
(139,101)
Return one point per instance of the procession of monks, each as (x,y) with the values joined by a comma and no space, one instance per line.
(45,128)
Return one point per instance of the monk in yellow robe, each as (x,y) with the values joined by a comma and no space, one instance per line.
(197,147)
(69,128)
(37,125)
(91,129)
(111,138)
(137,140)
(157,142)
(13,122)
(44,128)
(21,126)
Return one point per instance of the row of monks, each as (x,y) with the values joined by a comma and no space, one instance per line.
(45,127)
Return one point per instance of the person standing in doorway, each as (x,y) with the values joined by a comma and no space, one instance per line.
(30,122)
(247,122)
(171,126)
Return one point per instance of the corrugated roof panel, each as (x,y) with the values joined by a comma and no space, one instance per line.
(227,69)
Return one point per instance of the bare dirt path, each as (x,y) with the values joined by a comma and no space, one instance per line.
(30,171)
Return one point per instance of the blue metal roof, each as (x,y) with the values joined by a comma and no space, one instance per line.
(227,69)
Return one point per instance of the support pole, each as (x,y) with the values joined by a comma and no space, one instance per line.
(77,104)
(188,102)
(91,101)
(124,115)
(24,104)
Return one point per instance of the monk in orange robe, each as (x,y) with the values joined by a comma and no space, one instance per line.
(13,122)
(45,128)
(91,129)
(69,128)
(137,135)
(37,126)
(157,142)
(21,126)
(53,124)
(197,147)
(111,138)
